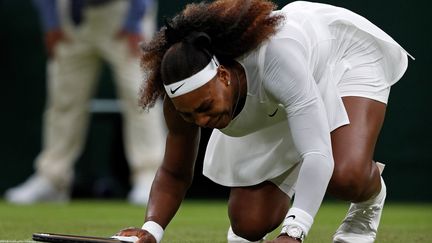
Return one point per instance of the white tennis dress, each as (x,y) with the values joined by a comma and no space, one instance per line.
(295,82)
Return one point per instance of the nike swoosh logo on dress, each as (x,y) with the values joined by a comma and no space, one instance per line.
(274,113)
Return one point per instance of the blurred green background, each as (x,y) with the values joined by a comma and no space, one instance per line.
(102,172)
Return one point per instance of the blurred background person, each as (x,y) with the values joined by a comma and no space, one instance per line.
(80,35)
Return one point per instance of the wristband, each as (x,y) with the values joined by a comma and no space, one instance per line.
(298,217)
(154,229)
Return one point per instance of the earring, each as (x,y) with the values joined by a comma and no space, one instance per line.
(229,82)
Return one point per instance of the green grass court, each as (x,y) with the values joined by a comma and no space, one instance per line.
(197,221)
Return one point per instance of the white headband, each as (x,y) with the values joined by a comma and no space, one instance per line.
(193,82)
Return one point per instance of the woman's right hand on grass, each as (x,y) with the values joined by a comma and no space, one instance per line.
(143,235)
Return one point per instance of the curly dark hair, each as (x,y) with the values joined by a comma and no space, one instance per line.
(225,28)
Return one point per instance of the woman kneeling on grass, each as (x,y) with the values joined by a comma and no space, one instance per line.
(297,98)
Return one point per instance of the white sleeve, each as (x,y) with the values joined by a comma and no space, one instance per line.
(289,81)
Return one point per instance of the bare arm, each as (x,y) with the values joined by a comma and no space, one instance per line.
(174,176)
(176,172)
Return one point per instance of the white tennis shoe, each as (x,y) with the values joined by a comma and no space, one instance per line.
(233,238)
(141,186)
(36,189)
(362,220)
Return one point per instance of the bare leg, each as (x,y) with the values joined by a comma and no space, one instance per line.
(356,177)
(257,210)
